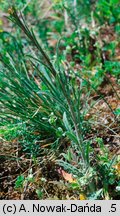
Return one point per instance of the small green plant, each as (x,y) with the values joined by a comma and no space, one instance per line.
(39,193)
(19,182)
(106,170)
(22,180)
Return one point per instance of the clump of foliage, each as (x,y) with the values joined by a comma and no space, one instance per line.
(45,101)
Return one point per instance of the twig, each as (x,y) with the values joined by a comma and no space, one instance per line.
(26,185)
